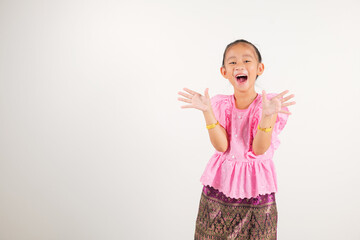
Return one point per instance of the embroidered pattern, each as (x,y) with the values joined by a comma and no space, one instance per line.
(221,217)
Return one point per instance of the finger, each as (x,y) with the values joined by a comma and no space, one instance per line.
(185,100)
(264,98)
(207,93)
(287,98)
(286,112)
(280,95)
(288,104)
(191,91)
(185,95)
(187,106)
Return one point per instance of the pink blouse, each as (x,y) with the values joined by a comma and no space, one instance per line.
(238,172)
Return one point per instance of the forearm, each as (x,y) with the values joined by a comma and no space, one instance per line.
(218,135)
(262,139)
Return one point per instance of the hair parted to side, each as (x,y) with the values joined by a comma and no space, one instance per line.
(241,41)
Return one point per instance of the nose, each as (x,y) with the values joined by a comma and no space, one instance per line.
(239,66)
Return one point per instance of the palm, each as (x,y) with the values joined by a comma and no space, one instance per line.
(199,102)
(271,106)
(275,105)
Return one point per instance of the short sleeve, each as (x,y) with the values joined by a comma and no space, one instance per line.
(219,104)
(255,119)
(278,127)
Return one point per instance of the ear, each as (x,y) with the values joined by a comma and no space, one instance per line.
(223,71)
(260,69)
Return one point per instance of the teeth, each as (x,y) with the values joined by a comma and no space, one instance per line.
(241,76)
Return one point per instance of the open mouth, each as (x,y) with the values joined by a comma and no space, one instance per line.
(241,78)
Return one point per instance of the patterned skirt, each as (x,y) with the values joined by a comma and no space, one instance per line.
(224,218)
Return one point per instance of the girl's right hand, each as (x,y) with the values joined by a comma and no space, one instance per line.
(196,100)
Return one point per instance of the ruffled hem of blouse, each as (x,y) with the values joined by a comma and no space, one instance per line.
(240,179)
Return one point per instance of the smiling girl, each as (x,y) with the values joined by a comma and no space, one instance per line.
(239,181)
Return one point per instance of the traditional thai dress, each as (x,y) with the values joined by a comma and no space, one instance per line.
(238,196)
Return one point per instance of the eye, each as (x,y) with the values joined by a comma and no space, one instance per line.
(247,61)
(232,62)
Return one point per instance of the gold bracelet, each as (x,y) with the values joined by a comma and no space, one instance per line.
(212,125)
(264,129)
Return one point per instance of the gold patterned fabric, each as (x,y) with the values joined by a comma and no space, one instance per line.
(224,218)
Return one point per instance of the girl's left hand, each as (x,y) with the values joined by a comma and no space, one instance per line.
(274,105)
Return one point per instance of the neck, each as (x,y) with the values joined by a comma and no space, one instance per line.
(244,99)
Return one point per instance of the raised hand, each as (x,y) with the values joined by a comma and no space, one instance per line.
(196,100)
(275,104)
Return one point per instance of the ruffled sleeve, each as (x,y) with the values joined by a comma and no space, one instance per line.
(219,106)
(279,124)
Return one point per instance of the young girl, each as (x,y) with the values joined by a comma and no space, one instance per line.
(238,196)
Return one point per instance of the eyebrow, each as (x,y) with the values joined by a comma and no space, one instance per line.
(245,55)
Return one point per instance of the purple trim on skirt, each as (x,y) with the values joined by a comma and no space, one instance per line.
(259,200)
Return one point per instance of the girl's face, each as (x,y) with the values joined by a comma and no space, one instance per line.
(242,67)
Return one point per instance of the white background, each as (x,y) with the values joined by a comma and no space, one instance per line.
(94,143)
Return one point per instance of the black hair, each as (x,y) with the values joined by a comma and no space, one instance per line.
(241,41)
